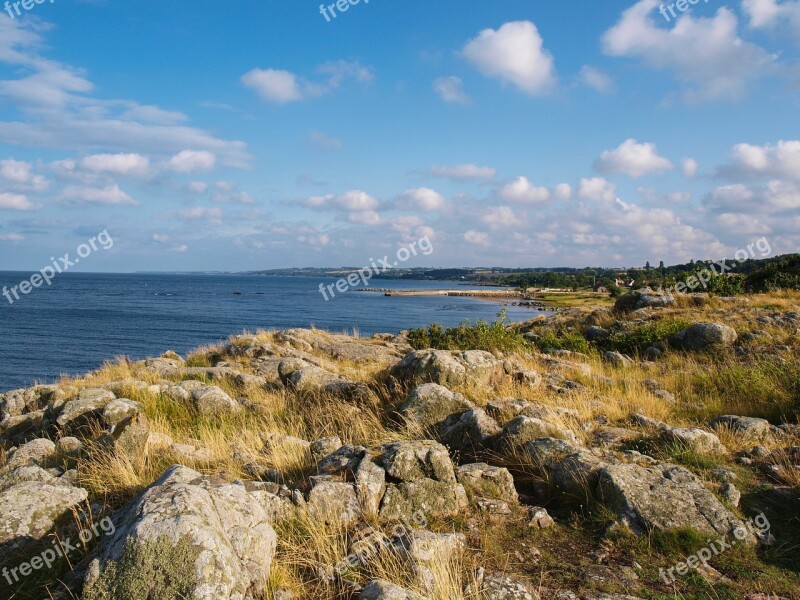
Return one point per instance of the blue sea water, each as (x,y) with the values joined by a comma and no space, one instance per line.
(82,320)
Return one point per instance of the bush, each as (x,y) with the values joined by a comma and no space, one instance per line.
(563,340)
(491,337)
(639,338)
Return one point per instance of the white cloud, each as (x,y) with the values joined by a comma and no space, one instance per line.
(775,197)
(159,238)
(9,201)
(19,175)
(350,201)
(521,190)
(563,191)
(502,217)
(190,161)
(424,199)
(477,238)
(706,55)
(197,187)
(228,192)
(364,217)
(451,89)
(11,237)
(110,195)
(116,164)
(282,87)
(780,160)
(772,13)
(201,213)
(597,188)
(514,53)
(632,158)
(690,167)
(180,249)
(597,79)
(468,171)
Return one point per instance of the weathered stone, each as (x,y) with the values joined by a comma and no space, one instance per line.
(211,401)
(704,335)
(413,460)
(750,428)
(422,546)
(119,410)
(483,480)
(521,430)
(89,405)
(644,298)
(39,452)
(227,530)
(30,510)
(334,502)
(323,447)
(540,519)
(433,498)
(370,485)
(662,498)
(469,433)
(617,359)
(503,587)
(731,494)
(430,403)
(473,367)
(697,440)
(342,462)
(379,589)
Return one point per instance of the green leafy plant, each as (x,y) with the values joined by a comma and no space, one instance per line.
(496,336)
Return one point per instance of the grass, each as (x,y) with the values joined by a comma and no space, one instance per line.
(491,337)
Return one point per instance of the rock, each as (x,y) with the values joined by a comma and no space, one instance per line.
(433,498)
(547,452)
(130,436)
(704,335)
(430,403)
(577,474)
(211,401)
(379,589)
(342,462)
(422,546)
(593,333)
(505,410)
(196,536)
(528,378)
(695,439)
(613,436)
(288,366)
(415,460)
(503,587)
(521,430)
(617,359)
(338,347)
(731,494)
(31,510)
(119,410)
(661,498)
(749,428)
(540,519)
(324,446)
(312,378)
(89,405)
(469,433)
(370,486)
(334,502)
(652,353)
(485,481)
(644,298)
(473,367)
(69,446)
(39,452)
(648,422)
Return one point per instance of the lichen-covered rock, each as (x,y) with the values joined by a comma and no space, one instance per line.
(324,446)
(697,440)
(430,403)
(380,589)
(470,432)
(31,509)
(342,462)
(521,430)
(485,481)
(413,460)
(644,298)
(422,546)
(473,367)
(498,586)
(218,531)
(120,409)
(704,335)
(661,498)
(213,401)
(617,359)
(370,482)
(39,452)
(433,498)
(750,428)
(89,405)
(334,502)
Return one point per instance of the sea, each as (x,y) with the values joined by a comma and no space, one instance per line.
(81,321)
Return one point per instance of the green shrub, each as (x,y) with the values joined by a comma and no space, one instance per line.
(467,336)
(563,340)
(640,337)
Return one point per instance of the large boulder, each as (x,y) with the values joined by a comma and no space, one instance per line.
(39,452)
(189,536)
(470,432)
(644,298)
(32,509)
(750,428)
(663,497)
(473,367)
(88,406)
(704,335)
(430,403)
(695,439)
(522,429)
(212,401)
(481,480)
(334,502)
(380,589)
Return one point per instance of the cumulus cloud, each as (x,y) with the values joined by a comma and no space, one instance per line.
(468,171)
(159,238)
(110,195)
(521,190)
(596,79)
(281,86)
(690,167)
(706,55)
(502,217)
(116,164)
(451,89)
(352,200)
(563,191)
(632,158)
(19,175)
(772,13)
(424,199)
(515,54)
(197,213)
(597,188)
(191,161)
(228,192)
(775,196)
(779,160)
(11,237)
(10,201)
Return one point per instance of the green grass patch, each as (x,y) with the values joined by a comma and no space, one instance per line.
(481,335)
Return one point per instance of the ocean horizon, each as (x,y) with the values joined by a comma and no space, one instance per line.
(85,319)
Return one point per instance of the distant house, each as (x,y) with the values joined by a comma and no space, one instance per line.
(601,289)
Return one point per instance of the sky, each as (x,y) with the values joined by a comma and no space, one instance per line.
(258,134)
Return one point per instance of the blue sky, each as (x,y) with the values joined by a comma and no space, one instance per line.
(239,136)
